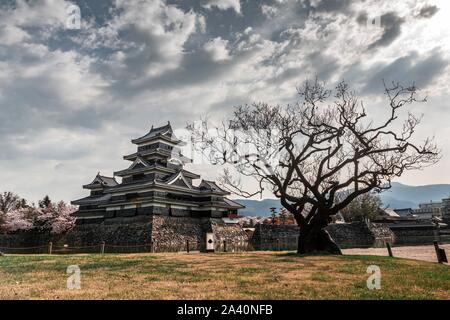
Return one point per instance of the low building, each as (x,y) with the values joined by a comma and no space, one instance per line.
(428,210)
(387,212)
(404,212)
(446,210)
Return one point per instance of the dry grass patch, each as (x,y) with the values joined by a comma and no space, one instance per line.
(253,275)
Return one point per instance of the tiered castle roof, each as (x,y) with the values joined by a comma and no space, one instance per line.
(155,179)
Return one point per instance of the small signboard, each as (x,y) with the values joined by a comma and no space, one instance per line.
(210,242)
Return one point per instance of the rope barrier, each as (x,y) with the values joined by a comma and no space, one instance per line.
(23,248)
(84,247)
(127,246)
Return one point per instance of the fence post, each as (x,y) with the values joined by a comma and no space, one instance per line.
(436,248)
(278,244)
(440,253)
(388,246)
(50,247)
(102,247)
(443,255)
(187,246)
(224,245)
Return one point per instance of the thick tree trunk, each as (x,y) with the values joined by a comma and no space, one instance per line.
(317,240)
(314,238)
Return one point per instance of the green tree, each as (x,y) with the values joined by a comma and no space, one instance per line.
(23,203)
(45,202)
(284,216)
(364,206)
(273,214)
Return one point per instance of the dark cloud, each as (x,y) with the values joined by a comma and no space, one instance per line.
(13,151)
(323,65)
(225,23)
(318,64)
(195,68)
(362,18)
(32,105)
(428,12)
(391,24)
(332,6)
(407,69)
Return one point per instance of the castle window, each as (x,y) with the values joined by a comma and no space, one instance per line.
(131,196)
(138,176)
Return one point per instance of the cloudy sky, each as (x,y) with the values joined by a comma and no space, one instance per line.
(71,99)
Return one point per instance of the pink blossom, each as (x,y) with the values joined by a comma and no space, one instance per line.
(16,220)
(56,218)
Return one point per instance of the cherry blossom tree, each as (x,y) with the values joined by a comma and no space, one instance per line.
(57,217)
(16,220)
(63,219)
(54,217)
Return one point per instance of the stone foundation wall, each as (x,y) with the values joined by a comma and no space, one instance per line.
(229,237)
(416,235)
(115,231)
(275,237)
(360,234)
(164,233)
(168,233)
(171,233)
(356,234)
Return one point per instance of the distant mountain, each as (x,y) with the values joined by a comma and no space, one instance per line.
(404,196)
(399,196)
(394,203)
(259,207)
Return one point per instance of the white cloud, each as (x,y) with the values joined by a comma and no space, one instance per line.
(269,11)
(41,16)
(153,35)
(10,34)
(217,48)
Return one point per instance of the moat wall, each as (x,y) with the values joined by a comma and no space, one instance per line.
(361,234)
(166,233)
(140,233)
(347,235)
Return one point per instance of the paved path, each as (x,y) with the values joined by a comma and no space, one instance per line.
(425,253)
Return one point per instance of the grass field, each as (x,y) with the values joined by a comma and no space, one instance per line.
(253,275)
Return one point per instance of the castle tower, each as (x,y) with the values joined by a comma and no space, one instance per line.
(155,183)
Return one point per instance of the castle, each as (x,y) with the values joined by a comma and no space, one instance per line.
(156,202)
(154,184)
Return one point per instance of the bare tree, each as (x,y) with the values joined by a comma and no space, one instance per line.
(321,150)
